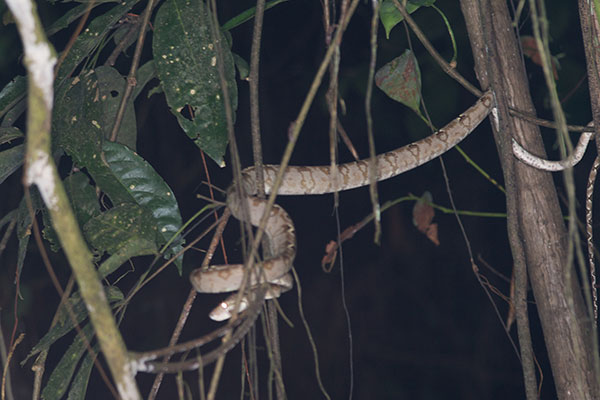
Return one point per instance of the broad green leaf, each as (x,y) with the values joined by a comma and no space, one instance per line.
(400,79)
(14,113)
(9,217)
(390,16)
(155,90)
(24,225)
(114,228)
(91,37)
(134,247)
(186,64)
(67,18)
(63,372)
(82,196)
(61,328)
(84,202)
(119,172)
(10,160)
(65,324)
(148,189)
(49,233)
(10,133)
(80,382)
(111,85)
(145,73)
(127,30)
(11,94)
(78,130)
(90,105)
(247,15)
(242,66)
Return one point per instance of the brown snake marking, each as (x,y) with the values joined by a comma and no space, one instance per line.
(301,180)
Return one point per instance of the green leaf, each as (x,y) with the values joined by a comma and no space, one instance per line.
(63,372)
(82,196)
(112,229)
(145,73)
(155,90)
(119,172)
(11,94)
(8,218)
(61,328)
(390,16)
(127,32)
(65,324)
(400,79)
(80,382)
(88,107)
(247,15)
(10,133)
(10,160)
(242,66)
(49,233)
(78,131)
(15,112)
(83,200)
(186,64)
(111,86)
(24,223)
(91,37)
(67,18)
(148,189)
(134,247)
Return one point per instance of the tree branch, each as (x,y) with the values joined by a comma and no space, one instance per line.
(41,171)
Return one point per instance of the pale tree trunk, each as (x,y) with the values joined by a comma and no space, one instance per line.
(536,228)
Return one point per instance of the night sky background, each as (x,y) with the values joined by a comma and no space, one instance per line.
(422,326)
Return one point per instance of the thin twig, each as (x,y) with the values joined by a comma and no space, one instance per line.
(131,79)
(74,36)
(446,67)
(372,153)
(254,96)
(549,124)
(190,300)
(7,364)
(69,309)
(216,36)
(347,141)
(7,233)
(244,323)
(131,31)
(294,131)
(39,365)
(311,339)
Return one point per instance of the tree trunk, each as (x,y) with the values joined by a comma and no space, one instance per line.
(536,227)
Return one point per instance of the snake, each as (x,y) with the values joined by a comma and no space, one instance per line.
(313,180)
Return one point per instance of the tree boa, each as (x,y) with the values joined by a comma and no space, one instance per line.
(298,180)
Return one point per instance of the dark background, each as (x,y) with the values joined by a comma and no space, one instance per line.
(422,326)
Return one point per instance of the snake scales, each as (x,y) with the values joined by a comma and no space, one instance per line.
(300,180)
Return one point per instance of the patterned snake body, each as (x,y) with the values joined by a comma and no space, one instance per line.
(300,180)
